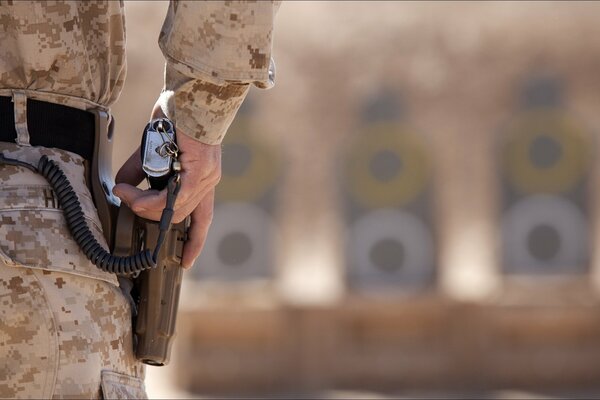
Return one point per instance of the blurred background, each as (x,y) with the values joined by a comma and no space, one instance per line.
(411,211)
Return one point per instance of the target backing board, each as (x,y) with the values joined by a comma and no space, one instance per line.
(240,242)
(545,159)
(389,240)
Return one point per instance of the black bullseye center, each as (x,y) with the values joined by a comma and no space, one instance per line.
(544,242)
(388,255)
(385,165)
(234,249)
(545,151)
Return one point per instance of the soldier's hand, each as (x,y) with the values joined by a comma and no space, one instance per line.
(201,171)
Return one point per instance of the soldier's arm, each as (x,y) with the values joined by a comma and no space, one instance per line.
(214,51)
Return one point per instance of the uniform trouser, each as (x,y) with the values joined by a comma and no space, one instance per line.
(65,327)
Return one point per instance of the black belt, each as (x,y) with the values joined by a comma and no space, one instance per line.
(51,125)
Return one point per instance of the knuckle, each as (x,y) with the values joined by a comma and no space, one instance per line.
(217,176)
(207,215)
(178,217)
(181,200)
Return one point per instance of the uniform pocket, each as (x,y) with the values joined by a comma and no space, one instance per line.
(121,386)
(33,229)
(28,337)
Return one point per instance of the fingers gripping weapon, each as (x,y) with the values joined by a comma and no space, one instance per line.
(157,290)
(157,274)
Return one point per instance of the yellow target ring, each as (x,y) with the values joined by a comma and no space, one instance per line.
(566,166)
(404,183)
(256,177)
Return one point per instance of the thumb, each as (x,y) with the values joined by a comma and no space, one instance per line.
(131,172)
(127,193)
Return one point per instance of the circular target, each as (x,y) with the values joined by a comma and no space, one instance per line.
(545,233)
(238,245)
(545,153)
(387,167)
(391,246)
(248,168)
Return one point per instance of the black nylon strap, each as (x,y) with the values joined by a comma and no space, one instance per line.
(166,217)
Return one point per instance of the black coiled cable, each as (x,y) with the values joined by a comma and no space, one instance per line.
(67,198)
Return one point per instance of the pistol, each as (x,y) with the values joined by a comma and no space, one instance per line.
(154,292)
(158,289)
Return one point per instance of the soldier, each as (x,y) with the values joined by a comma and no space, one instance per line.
(65,326)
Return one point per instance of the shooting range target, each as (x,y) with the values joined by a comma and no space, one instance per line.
(239,242)
(546,152)
(391,246)
(387,167)
(544,233)
(249,168)
(238,245)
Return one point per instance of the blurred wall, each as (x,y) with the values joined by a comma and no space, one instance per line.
(412,206)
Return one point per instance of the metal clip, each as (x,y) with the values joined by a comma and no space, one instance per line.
(160,149)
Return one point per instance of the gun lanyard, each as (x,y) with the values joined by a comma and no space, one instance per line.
(68,201)
(166,217)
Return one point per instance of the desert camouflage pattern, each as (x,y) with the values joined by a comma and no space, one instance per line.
(73,53)
(20,112)
(65,326)
(224,41)
(209,108)
(120,386)
(211,59)
(65,336)
(33,230)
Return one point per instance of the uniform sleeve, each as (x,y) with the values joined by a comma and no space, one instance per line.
(214,51)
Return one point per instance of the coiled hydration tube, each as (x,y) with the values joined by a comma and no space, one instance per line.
(67,198)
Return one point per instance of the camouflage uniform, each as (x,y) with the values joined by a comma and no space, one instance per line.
(64,325)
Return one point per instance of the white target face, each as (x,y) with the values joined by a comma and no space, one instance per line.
(544,233)
(239,244)
(391,246)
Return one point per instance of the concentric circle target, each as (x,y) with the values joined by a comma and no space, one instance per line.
(248,166)
(544,233)
(238,245)
(387,167)
(546,152)
(391,246)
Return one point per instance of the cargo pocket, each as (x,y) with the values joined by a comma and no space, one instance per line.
(33,229)
(28,337)
(120,386)
(34,233)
